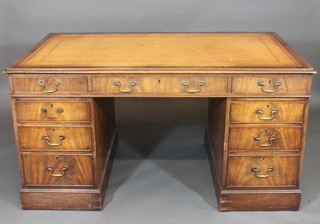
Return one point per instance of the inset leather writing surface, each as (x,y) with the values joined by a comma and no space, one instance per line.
(161,50)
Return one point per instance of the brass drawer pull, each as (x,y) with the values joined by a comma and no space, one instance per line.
(49,168)
(44,110)
(43,87)
(256,172)
(61,138)
(258,139)
(260,112)
(276,87)
(186,86)
(60,110)
(131,85)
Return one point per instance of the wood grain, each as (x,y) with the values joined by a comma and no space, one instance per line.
(31,138)
(286,138)
(262,200)
(79,170)
(30,85)
(57,200)
(53,110)
(244,111)
(157,84)
(284,173)
(288,85)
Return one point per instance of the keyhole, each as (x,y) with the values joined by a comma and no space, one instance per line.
(54,130)
(265,130)
(262,158)
(159,81)
(267,106)
(56,157)
(270,81)
(51,105)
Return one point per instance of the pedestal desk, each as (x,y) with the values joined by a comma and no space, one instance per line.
(63,92)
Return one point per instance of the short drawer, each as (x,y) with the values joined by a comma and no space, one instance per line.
(54,138)
(49,85)
(131,85)
(65,111)
(41,169)
(270,85)
(262,171)
(267,111)
(265,138)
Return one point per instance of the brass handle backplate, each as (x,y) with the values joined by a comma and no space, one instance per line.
(256,172)
(186,86)
(131,85)
(43,87)
(258,139)
(47,138)
(260,113)
(276,87)
(49,168)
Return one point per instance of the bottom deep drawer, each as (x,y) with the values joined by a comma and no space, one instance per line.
(262,171)
(54,170)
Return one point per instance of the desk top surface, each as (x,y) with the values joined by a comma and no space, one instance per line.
(160,51)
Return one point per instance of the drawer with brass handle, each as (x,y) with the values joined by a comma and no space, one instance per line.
(48,85)
(270,85)
(54,138)
(179,85)
(53,170)
(47,111)
(268,111)
(265,138)
(262,171)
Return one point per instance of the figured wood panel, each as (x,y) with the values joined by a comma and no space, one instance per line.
(66,111)
(284,174)
(159,84)
(82,200)
(260,200)
(243,138)
(250,84)
(31,85)
(35,168)
(216,137)
(104,136)
(75,138)
(277,111)
(162,50)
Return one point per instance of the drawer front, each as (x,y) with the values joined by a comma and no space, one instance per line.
(66,111)
(270,85)
(262,171)
(267,112)
(200,85)
(55,138)
(265,138)
(57,170)
(49,85)
(124,85)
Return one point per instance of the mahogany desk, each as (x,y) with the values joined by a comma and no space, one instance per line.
(63,93)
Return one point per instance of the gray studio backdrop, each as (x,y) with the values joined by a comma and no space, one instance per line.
(148,127)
